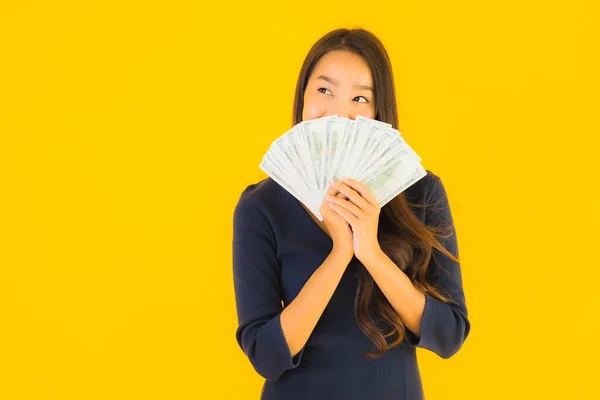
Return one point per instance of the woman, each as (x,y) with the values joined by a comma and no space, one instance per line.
(335,309)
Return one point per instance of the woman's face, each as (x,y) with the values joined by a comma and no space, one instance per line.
(340,84)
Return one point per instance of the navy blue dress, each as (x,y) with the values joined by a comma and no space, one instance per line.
(276,248)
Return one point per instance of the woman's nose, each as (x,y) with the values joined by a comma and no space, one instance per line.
(341,111)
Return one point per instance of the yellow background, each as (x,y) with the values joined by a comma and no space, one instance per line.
(129,129)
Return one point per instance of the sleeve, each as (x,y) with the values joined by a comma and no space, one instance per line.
(258,293)
(444,326)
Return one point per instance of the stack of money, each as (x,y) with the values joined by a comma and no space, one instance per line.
(305,159)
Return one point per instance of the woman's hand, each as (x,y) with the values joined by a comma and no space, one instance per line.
(338,228)
(361,212)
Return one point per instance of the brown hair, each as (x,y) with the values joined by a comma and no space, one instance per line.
(402,236)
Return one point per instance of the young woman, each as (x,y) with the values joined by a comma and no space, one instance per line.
(335,309)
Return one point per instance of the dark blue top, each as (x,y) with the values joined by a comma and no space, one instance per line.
(276,248)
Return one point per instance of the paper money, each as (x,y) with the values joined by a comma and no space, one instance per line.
(306,158)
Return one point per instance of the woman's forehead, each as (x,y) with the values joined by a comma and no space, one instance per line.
(342,67)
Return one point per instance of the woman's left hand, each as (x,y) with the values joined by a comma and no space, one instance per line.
(361,211)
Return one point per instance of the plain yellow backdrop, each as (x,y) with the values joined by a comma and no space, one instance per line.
(129,129)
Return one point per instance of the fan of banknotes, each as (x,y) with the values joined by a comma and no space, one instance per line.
(305,159)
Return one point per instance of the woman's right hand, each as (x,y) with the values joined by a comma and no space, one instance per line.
(339,230)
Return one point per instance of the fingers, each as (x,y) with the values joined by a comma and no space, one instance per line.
(344,213)
(362,189)
(345,204)
(352,195)
(329,215)
(332,191)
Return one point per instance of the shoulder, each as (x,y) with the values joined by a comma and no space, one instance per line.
(427,198)
(425,188)
(259,197)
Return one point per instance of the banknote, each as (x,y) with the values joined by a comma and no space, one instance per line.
(306,158)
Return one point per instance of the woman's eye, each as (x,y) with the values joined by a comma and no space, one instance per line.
(322,89)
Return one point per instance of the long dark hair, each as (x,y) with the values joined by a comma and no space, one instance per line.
(402,236)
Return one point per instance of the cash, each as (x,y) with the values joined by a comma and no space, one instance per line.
(306,158)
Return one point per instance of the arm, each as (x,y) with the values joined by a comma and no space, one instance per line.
(432,324)
(407,300)
(300,317)
(271,337)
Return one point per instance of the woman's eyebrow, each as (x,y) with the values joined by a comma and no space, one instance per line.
(335,83)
